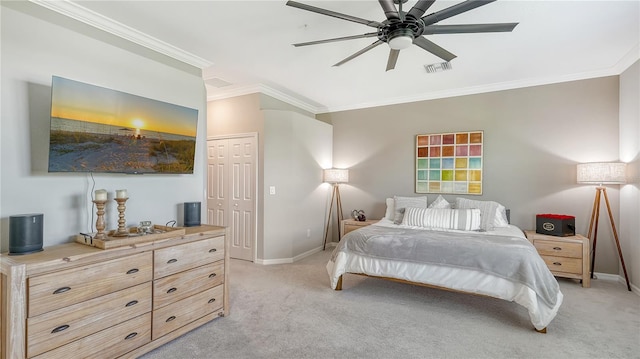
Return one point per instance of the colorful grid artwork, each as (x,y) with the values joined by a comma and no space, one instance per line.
(449,162)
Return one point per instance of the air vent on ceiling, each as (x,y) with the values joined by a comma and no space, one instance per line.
(442,66)
(216,82)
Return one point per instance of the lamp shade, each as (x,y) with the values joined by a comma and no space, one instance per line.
(336,175)
(602,172)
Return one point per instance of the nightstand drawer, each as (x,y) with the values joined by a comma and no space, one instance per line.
(563,264)
(558,248)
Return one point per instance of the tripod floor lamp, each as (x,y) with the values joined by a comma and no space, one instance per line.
(335,176)
(603,173)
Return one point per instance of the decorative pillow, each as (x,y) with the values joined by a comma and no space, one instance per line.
(462,219)
(501,217)
(488,210)
(389,213)
(440,202)
(400,203)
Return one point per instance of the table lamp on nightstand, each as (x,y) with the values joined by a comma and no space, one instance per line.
(335,176)
(600,173)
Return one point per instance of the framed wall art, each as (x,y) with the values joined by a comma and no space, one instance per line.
(450,162)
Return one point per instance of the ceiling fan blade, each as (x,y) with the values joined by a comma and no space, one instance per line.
(454,10)
(390,10)
(333,14)
(393,58)
(420,8)
(433,48)
(370,34)
(360,52)
(468,28)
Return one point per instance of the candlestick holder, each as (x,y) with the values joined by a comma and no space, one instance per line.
(100,224)
(122,229)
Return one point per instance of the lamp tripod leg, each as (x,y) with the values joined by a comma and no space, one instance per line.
(615,236)
(326,230)
(595,216)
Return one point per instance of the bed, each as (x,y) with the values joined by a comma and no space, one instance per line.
(466,249)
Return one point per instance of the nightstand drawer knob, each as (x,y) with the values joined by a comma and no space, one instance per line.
(557,248)
(557,263)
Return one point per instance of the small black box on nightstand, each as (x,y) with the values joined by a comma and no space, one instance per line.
(559,225)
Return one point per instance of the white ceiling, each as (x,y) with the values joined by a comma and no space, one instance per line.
(248,44)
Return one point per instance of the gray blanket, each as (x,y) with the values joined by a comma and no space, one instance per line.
(511,258)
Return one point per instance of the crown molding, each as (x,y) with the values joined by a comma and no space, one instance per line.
(264,89)
(629,59)
(92,18)
(511,85)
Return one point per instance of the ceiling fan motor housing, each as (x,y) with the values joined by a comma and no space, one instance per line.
(400,34)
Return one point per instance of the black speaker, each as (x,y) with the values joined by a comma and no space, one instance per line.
(25,233)
(191,214)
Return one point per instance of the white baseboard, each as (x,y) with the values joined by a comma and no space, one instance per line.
(617,278)
(289,260)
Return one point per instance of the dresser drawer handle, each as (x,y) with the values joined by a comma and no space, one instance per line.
(171,290)
(133,302)
(212,250)
(557,263)
(131,271)
(172,260)
(170,319)
(130,336)
(62,290)
(59,329)
(212,275)
(211,300)
(557,248)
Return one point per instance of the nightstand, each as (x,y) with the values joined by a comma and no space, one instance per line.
(566,257)
(348,225)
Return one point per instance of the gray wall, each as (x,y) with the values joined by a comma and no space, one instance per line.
(630,152)
(34,47)
(292,149)
(534,137)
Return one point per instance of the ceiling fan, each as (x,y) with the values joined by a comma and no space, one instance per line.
(401,29)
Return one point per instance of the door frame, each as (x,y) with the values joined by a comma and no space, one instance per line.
(254,135)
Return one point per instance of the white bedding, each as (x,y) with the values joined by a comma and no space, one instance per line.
(461,279)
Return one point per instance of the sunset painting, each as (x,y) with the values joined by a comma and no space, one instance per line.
(95,129)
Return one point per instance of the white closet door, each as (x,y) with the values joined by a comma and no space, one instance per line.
(232,191)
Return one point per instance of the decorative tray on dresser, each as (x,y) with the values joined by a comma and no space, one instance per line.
(77,300)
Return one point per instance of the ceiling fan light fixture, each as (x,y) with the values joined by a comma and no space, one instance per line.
(400,39)
(400,42)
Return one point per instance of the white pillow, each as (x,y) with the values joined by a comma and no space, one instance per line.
(388,214)
(446,218)
(440,202)
(488,210)
(501,217)
(400,203)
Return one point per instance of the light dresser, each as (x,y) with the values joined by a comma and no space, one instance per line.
(78,301)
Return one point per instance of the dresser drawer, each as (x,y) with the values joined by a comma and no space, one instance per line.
(60,289)
(179,258)
(175,315)
(59,327)
(181,285)
(558,248)
(109,343)
(563,264)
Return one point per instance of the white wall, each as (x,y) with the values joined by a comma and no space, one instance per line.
(34,49)
(630,153)
(296,149)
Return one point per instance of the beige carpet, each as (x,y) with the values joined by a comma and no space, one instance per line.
(289,311)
